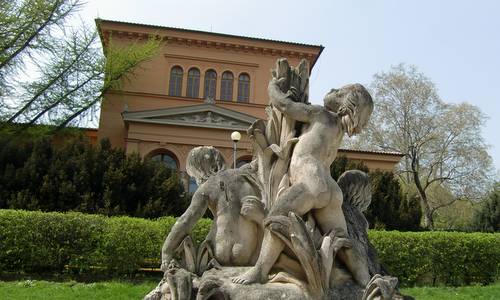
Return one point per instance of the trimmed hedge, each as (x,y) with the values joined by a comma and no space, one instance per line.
(37,242)
(451,258)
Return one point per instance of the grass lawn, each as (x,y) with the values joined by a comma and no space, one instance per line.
(35,289)
(126,290)
(465,292)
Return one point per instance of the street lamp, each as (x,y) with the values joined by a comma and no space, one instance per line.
(235,136)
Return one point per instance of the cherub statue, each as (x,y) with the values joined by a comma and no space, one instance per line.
(311,187)
(232,198)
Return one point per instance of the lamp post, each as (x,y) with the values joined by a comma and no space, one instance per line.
(235,136)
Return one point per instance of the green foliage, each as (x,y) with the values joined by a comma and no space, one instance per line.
(441,142)
(488,216)
(119,290)
(41,289)
(122,60)
(65,173)
(342,164)
(450,258)
(45,242)
(390,209)
(36,242)
(26,28)
(456,293)
(68,73)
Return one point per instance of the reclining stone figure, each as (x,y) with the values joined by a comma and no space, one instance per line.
(232,197)
(226,193)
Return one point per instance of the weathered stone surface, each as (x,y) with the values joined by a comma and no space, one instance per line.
(283,228)
(222,279)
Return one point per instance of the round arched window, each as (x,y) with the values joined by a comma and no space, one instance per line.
(193,83)
(166,158)
(243,160)
(193,186)
(175,84)
(210,83)
(243,88)
(226,89)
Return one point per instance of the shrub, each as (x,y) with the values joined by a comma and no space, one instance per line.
(451,258)
(36,242)
(67,173)
(487,218)
(342,164)
(390,209)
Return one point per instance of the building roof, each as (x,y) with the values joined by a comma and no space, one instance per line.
(98,21)
(373,152)
(312,52)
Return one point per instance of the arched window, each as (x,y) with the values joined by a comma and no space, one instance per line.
(226,86)
(175,85)
(193,83)
(243,88)
(167,158)
(193,186)
(210,84)
(243,160)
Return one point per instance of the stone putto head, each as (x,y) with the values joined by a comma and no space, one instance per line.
(353,103)
(203,162)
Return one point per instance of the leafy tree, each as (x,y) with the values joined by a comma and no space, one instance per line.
(487,218)
(26,30)
(441,143)
(65,71)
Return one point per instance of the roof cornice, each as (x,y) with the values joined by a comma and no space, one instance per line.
(210,40)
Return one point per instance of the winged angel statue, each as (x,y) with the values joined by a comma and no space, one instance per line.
(283,227)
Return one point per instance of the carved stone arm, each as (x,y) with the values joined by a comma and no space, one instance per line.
(253,209)
(283,102)
(183,226)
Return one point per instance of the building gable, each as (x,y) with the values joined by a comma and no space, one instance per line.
(203,115)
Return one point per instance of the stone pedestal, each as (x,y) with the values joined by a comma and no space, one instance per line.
(216,284)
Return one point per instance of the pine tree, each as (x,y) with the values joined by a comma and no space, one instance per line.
(488,217)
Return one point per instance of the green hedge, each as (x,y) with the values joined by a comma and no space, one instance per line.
(36,242)
(451,258)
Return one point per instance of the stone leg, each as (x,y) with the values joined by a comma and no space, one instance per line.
(294,199)
(331,218)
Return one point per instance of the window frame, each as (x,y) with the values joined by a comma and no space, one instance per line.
(226,86)
(175,81)
(213,82)
(243,88)
(193,83)
(162,153)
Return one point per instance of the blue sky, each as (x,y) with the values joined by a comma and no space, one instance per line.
(453,42)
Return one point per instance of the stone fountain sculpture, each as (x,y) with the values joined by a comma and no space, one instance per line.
(283,228)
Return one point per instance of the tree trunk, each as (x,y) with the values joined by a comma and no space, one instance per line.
(426,212)
(424,203)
